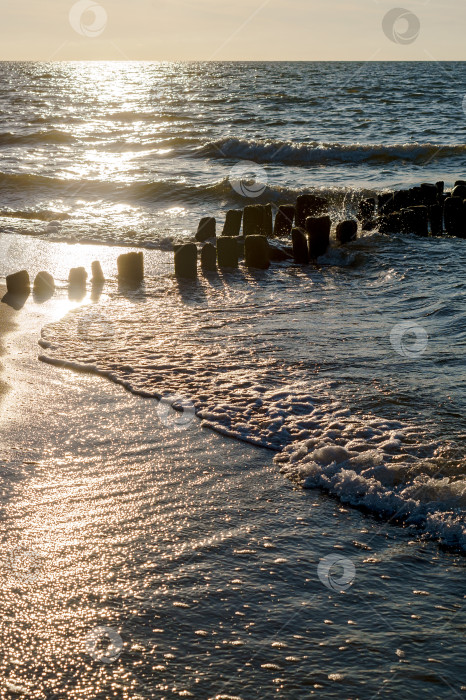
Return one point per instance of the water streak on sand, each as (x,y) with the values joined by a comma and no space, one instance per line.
(6,325)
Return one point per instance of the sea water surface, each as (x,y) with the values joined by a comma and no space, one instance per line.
(137,152)
(347,377)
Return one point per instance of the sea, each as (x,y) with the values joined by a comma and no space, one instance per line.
(215,449)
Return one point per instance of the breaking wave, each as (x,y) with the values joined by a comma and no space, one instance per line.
(315,153)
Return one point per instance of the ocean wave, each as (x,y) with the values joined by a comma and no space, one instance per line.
(40,215)
(116,190)
(19,182)
(220,192)
(118,139)
(371,464)
(36,137)
(154,144)
(315,153)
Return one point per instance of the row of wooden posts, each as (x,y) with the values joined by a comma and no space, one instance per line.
(130,268)
(307,223)
(424,210)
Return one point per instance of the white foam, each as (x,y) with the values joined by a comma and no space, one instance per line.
(391,483)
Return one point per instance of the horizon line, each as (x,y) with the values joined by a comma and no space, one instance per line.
(204,60)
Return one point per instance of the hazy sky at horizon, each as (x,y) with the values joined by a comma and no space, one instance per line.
(242,30)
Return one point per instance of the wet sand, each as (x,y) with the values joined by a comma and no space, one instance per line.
(6,325)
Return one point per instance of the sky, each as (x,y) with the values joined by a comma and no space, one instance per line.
(174,30)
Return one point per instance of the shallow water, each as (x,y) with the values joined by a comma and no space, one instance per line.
(198,560)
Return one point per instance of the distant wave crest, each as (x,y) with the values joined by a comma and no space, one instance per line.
(315,153)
